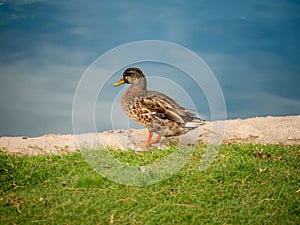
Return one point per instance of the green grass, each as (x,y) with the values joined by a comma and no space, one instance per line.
(245,184)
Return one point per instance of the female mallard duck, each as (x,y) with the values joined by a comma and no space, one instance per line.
(159,113)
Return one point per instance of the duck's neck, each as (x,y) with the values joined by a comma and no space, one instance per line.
(140,84)
(138,88)
(133,92)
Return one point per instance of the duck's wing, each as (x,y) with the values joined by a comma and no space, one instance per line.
(161,108)
(165,97)
(164,107)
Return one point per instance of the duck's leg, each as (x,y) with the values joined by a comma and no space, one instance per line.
(149,141)
(155,140)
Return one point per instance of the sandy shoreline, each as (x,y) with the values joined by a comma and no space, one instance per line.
(260,130)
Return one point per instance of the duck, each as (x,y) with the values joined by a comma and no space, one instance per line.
(157,112)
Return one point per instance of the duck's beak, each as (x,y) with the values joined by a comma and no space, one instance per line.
(120,82)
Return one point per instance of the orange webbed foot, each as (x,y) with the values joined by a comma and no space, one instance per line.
(149,140)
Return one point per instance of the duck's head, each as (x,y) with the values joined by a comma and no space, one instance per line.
(133,76)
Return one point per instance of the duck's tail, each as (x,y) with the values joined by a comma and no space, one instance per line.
(196,122)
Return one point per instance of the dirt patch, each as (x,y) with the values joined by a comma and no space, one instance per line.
(260,130)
